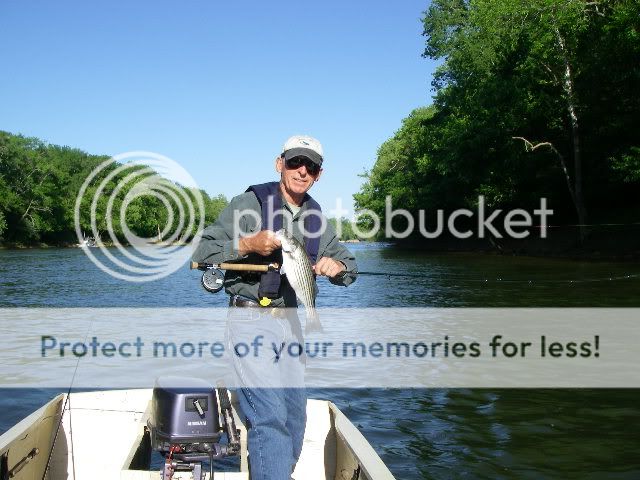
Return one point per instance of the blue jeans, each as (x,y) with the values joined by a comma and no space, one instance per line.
(269,371)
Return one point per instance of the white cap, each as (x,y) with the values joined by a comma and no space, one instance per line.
(302,145)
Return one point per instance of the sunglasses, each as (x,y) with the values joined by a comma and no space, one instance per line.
(295,162)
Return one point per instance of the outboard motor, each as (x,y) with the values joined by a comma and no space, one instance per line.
(186,423)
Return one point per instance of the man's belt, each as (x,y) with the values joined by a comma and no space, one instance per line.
(238,301)
(242,302)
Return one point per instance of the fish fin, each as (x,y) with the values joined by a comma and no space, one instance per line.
(313,322)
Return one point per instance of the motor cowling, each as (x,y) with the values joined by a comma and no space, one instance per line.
(184,412)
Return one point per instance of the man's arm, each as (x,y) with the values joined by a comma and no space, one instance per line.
(216,244)
(263,243)
(220,243)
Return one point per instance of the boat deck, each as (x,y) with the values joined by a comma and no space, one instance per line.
(102,437)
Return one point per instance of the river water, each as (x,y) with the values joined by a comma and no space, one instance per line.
(420,433)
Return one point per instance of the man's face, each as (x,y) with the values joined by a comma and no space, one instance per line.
(295,176)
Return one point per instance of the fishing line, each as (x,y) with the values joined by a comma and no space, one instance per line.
(591,225)
(463,277)
(67,401)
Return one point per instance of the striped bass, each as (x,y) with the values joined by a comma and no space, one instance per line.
(297,267)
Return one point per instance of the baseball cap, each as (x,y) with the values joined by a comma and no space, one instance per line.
(303,146)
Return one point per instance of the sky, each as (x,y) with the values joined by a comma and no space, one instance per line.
(216,86)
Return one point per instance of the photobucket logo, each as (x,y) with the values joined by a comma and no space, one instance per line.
(461,223)
(516,223)
(127,192)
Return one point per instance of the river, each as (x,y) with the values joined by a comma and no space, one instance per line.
(420,433)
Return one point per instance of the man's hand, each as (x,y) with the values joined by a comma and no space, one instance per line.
(263,243)
(329,267)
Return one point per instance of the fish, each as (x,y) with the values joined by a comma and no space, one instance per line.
(297,268)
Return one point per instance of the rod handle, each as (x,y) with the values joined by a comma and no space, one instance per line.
(238,267)
(244,267)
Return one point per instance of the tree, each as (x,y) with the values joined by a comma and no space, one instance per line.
(213,207)
(39,184)
(3,224)
(559,77)
(546,48)
(344,228)
(401,165)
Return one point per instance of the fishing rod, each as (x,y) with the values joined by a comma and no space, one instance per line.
(248,267)
(393,274)
(213,278)
(239,267)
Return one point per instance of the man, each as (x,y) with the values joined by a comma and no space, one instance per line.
(244,232)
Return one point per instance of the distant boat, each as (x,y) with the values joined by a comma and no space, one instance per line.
(88,242)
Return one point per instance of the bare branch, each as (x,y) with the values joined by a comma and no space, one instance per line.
(41,209)
(595,6)
(530,147)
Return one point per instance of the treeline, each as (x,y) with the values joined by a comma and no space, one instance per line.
(344,229)
(532,99)
(39,184)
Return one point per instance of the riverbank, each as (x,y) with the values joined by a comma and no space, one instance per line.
(23,246)
(591,250)
(37,245)
(599,244)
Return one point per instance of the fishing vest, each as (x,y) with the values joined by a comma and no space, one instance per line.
(268,195)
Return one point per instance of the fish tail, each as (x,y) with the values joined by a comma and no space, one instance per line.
(313,322)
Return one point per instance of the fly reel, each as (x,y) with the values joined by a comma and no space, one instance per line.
(212,280)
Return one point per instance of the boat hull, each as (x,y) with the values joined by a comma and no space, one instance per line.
(103,435)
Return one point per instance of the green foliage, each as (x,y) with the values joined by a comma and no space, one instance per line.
(504,75)
(344,229)
(213,207)
(402,164)
(3,224)
(628,165)
(39,184)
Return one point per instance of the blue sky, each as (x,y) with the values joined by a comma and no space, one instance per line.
(216,86)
